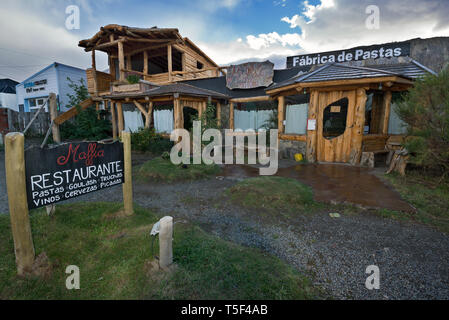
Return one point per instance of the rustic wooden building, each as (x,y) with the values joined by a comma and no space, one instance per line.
(158,57)
(342,123)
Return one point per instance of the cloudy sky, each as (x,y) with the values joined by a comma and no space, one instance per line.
(34,32)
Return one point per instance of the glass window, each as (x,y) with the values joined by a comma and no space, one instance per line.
(296,119)
(334,119)
(36,103)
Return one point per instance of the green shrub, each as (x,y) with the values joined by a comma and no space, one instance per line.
(132,79)
(86,125)
(425,109)
(148,140)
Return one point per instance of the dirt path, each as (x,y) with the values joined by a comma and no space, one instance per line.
(413,259)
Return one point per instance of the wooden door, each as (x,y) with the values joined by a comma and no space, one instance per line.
(335,123)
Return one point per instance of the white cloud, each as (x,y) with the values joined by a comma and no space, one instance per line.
(269,39)
(337,24)
(311,10)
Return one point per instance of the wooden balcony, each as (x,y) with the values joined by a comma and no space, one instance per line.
(98,81)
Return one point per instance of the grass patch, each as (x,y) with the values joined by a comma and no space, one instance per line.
(112,253)
(427,195)
(274,194)
(162,170)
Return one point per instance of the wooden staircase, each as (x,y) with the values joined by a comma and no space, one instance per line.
(73,111)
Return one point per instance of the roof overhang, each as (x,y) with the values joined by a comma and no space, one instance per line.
(388,82)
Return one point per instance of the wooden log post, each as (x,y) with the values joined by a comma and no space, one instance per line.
(128,185)
(53,108)
(114,120)
(145,62)
(177,113)
(357,130)
(121,122)
(281,108)
(165,242)
(170,62)
(150,113)
(121,61)
(311,151)
(219,114)
(386,108)
(231,115)
(144,112)
(18,205)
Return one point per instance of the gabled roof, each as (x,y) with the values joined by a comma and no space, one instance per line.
(170,89)
(8,86)
(337,71)
(132,32)
(55,65)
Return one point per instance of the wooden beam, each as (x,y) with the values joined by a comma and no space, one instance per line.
(176,114)
(94,63)
(53,109)
(293,137)
(354,82)
(231,115)
(104,45)
(252,99)
(147,40)
(312,134)
(127,187)
(113,120)
(121,60)
(281,109)
(358,125)
(386,108)
(129,64)
(73,111)
(144,112)
(145,62)
(150,114)
(170,62)
(121,122)
(148,48)
(18,205)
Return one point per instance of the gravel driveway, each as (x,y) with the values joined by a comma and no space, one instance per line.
(335,252)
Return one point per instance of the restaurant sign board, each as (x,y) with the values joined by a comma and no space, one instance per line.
(389,50)
(71,170)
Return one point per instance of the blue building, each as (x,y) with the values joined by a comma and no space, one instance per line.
(32,92)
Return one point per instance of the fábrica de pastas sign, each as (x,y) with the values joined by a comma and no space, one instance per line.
(71,170)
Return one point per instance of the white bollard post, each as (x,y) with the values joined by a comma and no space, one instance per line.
(165,242)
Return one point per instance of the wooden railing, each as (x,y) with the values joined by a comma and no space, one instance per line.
(175,76)
(98,81)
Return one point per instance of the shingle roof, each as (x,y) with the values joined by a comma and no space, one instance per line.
(218,84)
(336,71)
(164,90)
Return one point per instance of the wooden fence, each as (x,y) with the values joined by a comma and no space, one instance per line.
(17,121)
